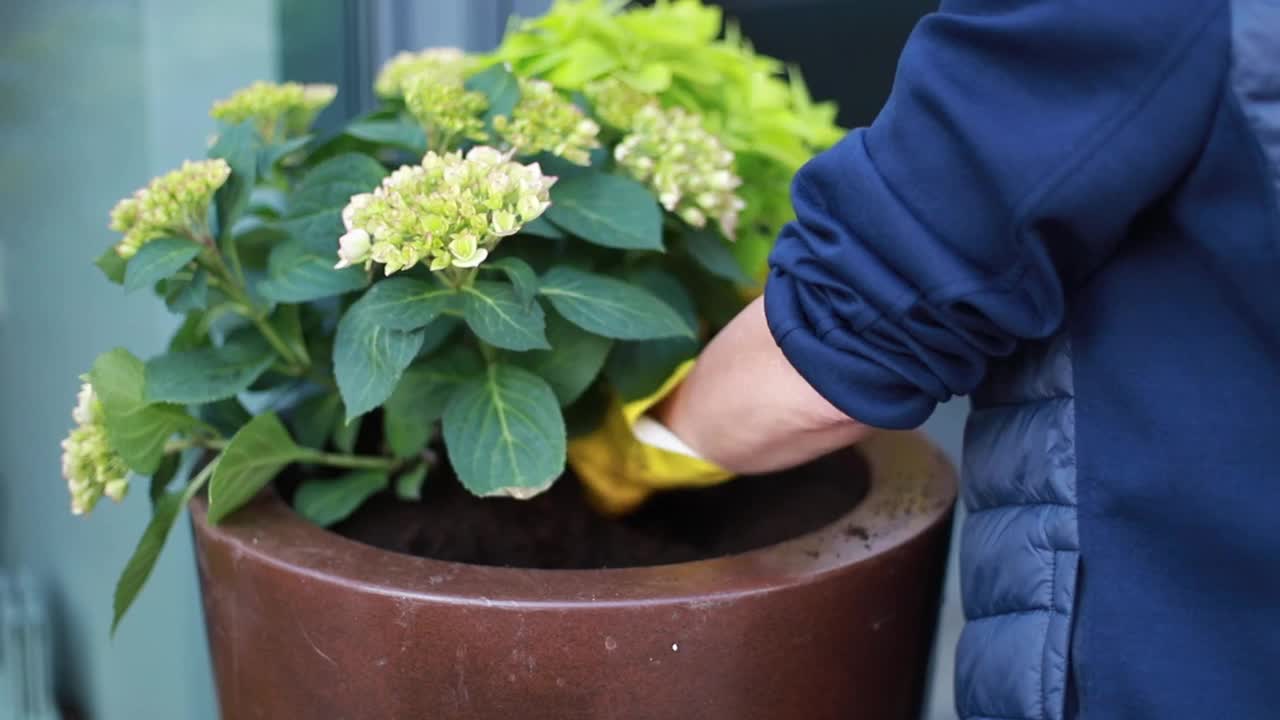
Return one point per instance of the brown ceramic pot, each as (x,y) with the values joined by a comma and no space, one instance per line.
(832,625)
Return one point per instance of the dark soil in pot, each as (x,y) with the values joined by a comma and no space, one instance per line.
(559,530)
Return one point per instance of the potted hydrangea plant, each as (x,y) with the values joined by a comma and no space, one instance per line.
(433,333)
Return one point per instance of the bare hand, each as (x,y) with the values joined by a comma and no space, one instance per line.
(745,408)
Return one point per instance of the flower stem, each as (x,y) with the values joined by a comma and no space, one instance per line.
(306,455)
(245,306)
(351,462)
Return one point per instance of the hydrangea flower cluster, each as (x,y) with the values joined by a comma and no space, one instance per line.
(444,64)
(617,103)
(92,469)
(445,108)
(544,121)
(687,166)
(291,107)
(176,203)
(449,211)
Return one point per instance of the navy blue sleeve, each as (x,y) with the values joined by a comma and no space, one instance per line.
(1021,139)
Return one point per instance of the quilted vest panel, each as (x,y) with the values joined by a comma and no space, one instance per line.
(1020,545)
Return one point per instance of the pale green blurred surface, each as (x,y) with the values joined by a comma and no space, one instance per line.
(95,98)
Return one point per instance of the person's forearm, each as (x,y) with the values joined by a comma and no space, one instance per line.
(745,408)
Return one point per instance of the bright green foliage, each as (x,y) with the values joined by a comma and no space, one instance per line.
(760,110)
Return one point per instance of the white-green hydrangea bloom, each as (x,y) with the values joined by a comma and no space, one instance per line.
(446,109)
(444,64)
(616,103)
(92,469)
(176,203)
(276,107)
(687,166)
(449,211)
(545,121)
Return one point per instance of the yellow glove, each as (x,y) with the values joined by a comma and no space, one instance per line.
(620,470)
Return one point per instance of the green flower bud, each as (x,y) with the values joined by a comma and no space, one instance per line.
(687,166)
(438,64)
(544,121)
(176,203)
(617,103)
(445,108)
(290,107)
(89,465)
(466,250)
(449,211)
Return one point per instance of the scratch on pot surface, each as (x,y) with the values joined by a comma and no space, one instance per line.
(875,625)
(461,696)
(404,608)
(709,603)
(313,645)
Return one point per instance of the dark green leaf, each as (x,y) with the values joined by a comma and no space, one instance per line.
(112,265)
(399,132)
(200,376)
(157,260)
(409,484)
(273,154)
(191,334)
(523,279)
(256,241)
(136,428)
(346,433)
(609,307)
(314,419)
(541,227)
(710,250)
(422,395)
(501,89)
(368,359)
(239,146)
(296,274)
(261,449)
(636,369)
(574,360)
(495,314)
(187,292)
(163,475)
(408,303)
(608,210)
(505,433)
(436,333)
(314,217)
(163,515)
(331,184)
(330,500)
(287,322)
(318,232)
(226,416)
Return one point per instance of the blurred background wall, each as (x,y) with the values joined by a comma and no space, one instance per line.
(98,96)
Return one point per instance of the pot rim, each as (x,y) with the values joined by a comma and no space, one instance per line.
(911,489)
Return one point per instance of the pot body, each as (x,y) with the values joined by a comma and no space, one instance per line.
(834,625)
